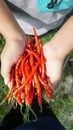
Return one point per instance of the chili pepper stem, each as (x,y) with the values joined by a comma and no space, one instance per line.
(45,98)
(33,113)
(40,106)
(2,102)
(26,115)
(29,79)
(15,106)
(21,109)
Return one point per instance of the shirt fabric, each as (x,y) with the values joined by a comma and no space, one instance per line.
(28,16)
(58,5)
(43,123)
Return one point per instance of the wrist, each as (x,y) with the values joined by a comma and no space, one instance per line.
(16,36)
(9,27)
(56,49)
(62,42)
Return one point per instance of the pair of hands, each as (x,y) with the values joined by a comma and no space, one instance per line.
(14,48)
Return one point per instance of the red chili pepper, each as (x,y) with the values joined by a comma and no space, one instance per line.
(38,88)
(17,78)
(18,98)
(37,42)
(47,87)
(28,76)
(33,53)
(30,42)
(28,87)
(11,83)
(43,65)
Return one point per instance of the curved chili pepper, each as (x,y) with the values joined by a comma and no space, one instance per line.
(47,87)
(12,84)
(38,88)
(28,76)
(33,53)
(17,78)
(37,42)
(28,86)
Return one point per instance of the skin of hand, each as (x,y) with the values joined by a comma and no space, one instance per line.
(54,64)
(15,41)
(57,49)
(9,57)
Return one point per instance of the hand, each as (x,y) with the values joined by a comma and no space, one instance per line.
(9,56)
(54,63)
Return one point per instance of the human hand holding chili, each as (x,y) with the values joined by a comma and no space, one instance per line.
(54,63)
(9,56)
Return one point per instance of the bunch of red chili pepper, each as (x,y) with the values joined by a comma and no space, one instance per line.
(28,76)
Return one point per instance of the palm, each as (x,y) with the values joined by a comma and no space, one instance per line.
(53,65)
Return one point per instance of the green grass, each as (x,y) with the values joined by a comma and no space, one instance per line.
(3,90)
(62,105)
(62,108)
(2,43)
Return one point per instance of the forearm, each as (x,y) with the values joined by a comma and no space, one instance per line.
(8,25)
(62,42)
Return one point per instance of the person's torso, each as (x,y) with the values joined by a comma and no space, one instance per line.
(37,9)
(36,13)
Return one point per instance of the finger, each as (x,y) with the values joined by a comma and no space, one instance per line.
(5,71)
